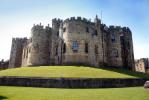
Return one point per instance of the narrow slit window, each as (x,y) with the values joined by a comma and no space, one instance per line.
(86,47)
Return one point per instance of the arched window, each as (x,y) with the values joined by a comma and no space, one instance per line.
(96,49)
(75,46)
(27,53)
(113,37)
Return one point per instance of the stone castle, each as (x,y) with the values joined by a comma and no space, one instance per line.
(74,41)
(142,65)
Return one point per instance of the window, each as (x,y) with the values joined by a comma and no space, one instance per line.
(36,47)
(27,53)
(29,49)
(96,49)
(64,29)
(94,32)
(114,53)
(24,53)
(128,45)
(56,50)
(87,29)
(75,46)
(57,34)
(86,47)
(64,48)
(113,37)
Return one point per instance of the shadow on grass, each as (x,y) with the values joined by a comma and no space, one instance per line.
(127,72)
(3,97)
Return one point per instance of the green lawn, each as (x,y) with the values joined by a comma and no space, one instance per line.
(71,71)
(29,93)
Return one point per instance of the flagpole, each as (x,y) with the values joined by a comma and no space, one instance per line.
(101,16)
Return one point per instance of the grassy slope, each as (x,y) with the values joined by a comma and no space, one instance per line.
(29,93)
(70,71)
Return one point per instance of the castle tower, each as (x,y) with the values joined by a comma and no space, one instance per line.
(127,48)
(56,42)
(114,47)
(100,35)
(16,52)
(40,46)
(104,32)
(55,26)
(76,39)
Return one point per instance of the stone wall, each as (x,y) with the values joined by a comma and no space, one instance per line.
(142,65)
(127,49)
(40,46)
(16,52)
(72,82)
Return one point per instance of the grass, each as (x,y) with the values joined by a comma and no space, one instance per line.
(29,93)
(71,71)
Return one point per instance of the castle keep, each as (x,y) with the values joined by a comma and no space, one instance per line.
(74,41)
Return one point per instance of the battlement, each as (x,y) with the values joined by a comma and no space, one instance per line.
(40,27)
(48,27)
(57,20)
(19,39)
(78,19)
(126,29)
(119,28)
(37,27)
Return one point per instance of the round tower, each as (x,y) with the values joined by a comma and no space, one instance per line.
(40,45)
(55,26)
(79,36)
(127,48)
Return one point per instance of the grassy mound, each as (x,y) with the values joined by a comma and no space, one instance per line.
(29,93)
(71,71)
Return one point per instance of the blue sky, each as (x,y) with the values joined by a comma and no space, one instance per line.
(18,16)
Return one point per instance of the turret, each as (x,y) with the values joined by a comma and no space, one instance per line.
(56,26)
(97,20)
(100,35)
(127,48)
(40,52)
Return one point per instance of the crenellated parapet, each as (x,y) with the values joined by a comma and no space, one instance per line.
(38,27)
(56,23)
(57,20)
(15,40)
(119,29)
(80,19)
